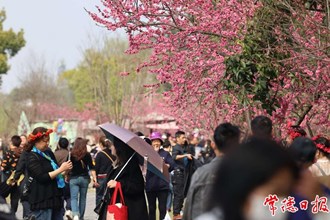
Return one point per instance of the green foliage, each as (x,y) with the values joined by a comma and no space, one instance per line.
(78,80)
(97,79)
(9,116)
(3,121)
(10,44)
(252,72)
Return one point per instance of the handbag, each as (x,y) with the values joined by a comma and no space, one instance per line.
(104,201)
(101,206)
(117,211)
(27,186)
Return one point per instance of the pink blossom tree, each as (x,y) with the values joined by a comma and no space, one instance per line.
(49,111)
(189,42)
(303,81)
(284,64)
(192,40)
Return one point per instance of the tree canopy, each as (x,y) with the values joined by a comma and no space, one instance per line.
(107,78)
(223,59)
(10,43)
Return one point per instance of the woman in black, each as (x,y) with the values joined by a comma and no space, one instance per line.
(103,165)
(79,177)
(131,180)
(21,168)
(45,195)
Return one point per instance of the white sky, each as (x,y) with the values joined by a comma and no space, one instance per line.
(56,30)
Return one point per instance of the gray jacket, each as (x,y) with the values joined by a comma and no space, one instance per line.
(199,190)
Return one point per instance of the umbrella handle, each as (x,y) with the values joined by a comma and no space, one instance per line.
(124,165)
(145,165)
(121,170)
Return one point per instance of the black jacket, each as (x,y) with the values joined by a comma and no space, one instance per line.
(44,192)
(132,183)
(103,164)
(21,168)
(81,167)
(155,183)
(188,172)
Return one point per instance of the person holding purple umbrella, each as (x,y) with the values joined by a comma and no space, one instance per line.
(156,187)
(127,172)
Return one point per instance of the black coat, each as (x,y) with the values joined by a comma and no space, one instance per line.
(21,168)
(103,164)
(154,182)
(132,184)
(44,192)
(188,172)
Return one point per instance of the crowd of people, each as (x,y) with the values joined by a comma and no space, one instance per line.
(226,177)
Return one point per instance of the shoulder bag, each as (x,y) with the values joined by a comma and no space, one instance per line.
(103,203)
(108,156)
(117,211)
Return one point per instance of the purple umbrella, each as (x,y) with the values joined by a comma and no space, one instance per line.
(155,163)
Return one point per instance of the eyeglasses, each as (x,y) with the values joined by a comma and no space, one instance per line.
(45,141)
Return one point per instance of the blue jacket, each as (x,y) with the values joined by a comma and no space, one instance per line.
(155,183)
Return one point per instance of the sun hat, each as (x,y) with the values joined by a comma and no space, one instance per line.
(156,136)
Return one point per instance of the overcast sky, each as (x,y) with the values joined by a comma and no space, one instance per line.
(56,30)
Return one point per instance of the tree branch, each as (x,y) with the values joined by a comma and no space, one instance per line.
(302,117)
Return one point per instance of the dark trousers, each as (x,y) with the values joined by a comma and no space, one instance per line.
(100,190)
(162,199)
(67,196)
(178,186)
(14,198)
(27,212)
(57,214)
(26,209)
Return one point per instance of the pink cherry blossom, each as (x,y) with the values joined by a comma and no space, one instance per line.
(189,42)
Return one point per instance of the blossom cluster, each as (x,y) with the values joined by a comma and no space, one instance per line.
(190,41)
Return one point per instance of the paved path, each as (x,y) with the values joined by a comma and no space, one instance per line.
(90,205)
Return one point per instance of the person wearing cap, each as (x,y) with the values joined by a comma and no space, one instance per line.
(157,188)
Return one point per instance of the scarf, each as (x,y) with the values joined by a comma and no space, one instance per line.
(59,178)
